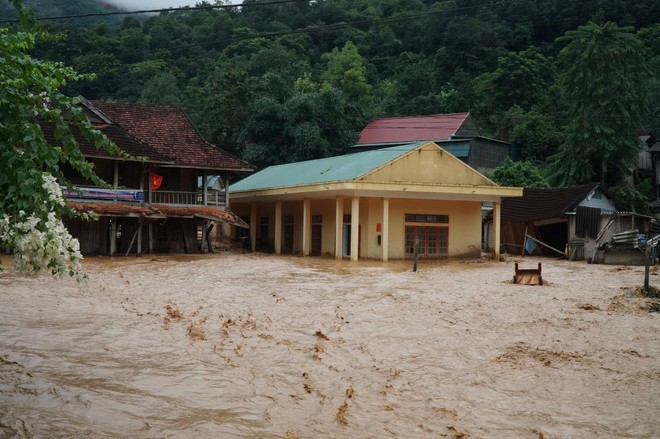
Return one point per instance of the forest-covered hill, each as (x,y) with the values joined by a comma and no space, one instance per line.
(61,8)
(294,80)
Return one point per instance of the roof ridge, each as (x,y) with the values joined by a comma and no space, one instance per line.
(133,104)
(421,116)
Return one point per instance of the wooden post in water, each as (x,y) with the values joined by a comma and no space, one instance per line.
(208,237)
(647,253)
(415,254)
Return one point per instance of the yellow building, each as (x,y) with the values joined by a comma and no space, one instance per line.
(373,204)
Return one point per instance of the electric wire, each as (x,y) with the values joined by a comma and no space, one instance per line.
(153,11)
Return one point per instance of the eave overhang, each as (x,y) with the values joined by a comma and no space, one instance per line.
(379,189)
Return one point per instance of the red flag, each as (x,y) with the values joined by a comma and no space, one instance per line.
(156,180)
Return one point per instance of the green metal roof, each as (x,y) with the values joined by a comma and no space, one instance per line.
(341,168)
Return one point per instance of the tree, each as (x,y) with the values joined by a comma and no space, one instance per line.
(31,201)
(604,87)
(162,89)
(518,174)
(309,125)
(537,133)
(522,80)
(637,198)
(346,71)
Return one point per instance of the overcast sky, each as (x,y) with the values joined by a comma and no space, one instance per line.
(140,5)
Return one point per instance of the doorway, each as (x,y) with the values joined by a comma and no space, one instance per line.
(433,241)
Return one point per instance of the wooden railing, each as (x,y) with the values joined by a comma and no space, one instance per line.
(213,198)
(187,198)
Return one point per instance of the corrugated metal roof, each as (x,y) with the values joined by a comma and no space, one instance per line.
(412,129)
(340,168)
(460,150)
(161,210)
(545,203)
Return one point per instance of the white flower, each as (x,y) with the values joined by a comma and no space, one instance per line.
(40,240)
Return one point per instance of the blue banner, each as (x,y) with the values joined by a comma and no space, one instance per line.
(105,194)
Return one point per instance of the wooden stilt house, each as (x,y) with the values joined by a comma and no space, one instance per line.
(156,203)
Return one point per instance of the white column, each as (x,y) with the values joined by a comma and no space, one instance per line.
(278,227)
(307,227)
(496,228)
(253,226)
(385,230)
(339,227)
(355,228)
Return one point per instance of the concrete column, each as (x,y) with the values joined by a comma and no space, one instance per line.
(385,230)
(339,227)
(355,228)
(253,226)
(278,227)
(497,208)
(307,227)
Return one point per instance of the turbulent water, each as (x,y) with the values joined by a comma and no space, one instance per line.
(250,346)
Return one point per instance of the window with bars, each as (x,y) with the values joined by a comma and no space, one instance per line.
(422,218)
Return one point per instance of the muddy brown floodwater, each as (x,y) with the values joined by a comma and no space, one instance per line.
(259,346)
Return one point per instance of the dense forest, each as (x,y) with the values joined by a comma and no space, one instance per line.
(66,8)
(572,82)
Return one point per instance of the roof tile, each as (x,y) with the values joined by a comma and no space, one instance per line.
(169,131)
(123,139)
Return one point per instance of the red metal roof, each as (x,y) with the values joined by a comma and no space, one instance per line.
(168,130)
(412,129)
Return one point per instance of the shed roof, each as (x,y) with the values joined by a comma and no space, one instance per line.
(545,203)
(168,130)
(159,211)
(411,129)
(340,168)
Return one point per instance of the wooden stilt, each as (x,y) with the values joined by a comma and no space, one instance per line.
(208,238)
(139,240)
(130,246)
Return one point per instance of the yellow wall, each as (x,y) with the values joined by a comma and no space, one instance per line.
(326,208)
(429,164)
(464,223)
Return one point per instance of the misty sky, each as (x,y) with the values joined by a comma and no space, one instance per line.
(136,5)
